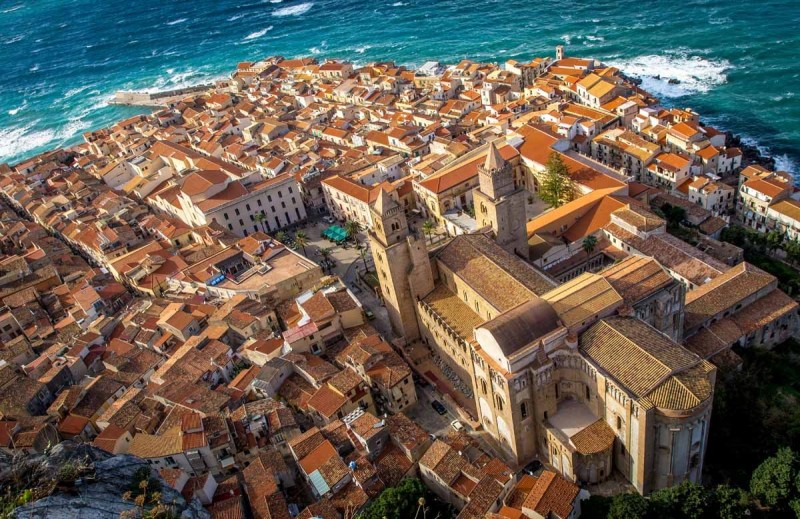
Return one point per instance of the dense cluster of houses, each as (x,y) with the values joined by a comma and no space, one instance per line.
(146,307)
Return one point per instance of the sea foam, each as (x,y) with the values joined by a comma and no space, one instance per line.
(257,34)
(17,141)
(694,74)
(176,22)
(293,10)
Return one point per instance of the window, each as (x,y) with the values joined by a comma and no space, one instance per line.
(258,202)
(297,212)
(280,194)
(290,190)
(241,222)
(523,409)
(619,422)
(237,212)
(293,201)
(556,386)
(269,198)
(247,206)
(588,393)
(230,227)
(225,215)
(499,403)
(483,386)
(283,205)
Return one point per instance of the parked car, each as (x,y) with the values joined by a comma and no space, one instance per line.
(457,426)
(438,407)
(329,219)
(532,468)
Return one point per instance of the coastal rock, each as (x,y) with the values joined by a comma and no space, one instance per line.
(98,492)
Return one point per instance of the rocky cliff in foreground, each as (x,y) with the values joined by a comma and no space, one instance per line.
(80,481)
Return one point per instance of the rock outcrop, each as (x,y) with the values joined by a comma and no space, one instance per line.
(80,481)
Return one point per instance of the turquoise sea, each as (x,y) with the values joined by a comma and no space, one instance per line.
(737,62)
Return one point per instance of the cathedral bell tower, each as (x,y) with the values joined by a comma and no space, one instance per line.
(401,265)
(500,204)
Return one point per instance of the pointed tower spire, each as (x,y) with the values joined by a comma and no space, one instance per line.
(383,203)
(494,161)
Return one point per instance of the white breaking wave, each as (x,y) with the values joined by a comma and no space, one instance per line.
(257,34)
(75,91)
(782,162)
(236,17)
(18,141)
(13,39)
(23,106)
(592,37)
(12,9)
(690,74)
(363,49)
(275,1)
(294,10)
(398,4)
(176,22)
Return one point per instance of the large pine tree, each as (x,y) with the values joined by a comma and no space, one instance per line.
(556,188)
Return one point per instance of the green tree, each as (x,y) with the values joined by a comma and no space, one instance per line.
(589,243)
(774,240)
(301,240)
(734,234)
(260,218)
(556,187)
(674,214)
(628,506)
(280,236)
(775,481)
(687,499)
(410,498)
(427,228)
(792,249)
(353,228)
(326,254)
(362,251)
(731,502)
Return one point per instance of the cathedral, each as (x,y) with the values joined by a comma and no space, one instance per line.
(588,376)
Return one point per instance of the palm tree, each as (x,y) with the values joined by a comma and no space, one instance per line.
(428,227)
(301,240)
(326,254)
(280,236)
(260,218)
(589,243)
(353,228)
(362,251)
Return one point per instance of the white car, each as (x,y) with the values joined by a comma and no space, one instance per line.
(457,426)
(329,219)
